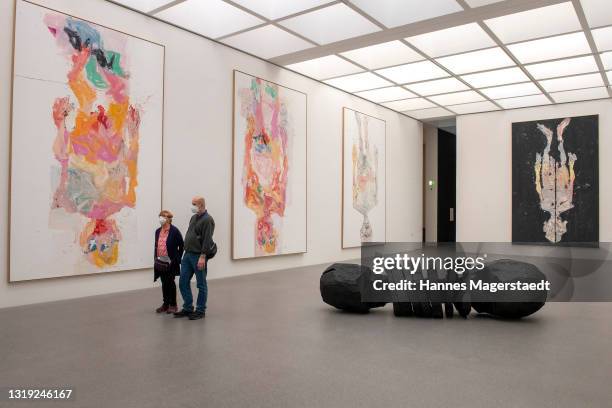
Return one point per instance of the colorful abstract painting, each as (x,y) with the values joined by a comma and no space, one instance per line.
(269,214)
(86,146)
(363,209)
(555,189)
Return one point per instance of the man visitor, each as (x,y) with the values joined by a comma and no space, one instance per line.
(199,247)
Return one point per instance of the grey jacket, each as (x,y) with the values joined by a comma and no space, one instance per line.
(199,236)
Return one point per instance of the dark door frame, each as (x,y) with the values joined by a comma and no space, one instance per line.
(447,186)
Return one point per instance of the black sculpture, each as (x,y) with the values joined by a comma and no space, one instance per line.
(340,287)
(508,270)
(429,304)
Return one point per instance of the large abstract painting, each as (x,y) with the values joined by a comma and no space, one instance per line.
(269,187)
(363,204)
(86,146)
(555,189)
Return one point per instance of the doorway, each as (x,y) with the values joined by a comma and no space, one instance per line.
(447,161)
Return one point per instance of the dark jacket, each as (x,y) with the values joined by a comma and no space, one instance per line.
(174,245)
(199,236)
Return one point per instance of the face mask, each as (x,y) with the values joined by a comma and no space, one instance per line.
(162,220)
(195,209)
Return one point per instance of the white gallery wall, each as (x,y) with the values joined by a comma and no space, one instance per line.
(198,154)
(484,172)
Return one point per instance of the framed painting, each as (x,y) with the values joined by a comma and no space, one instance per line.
(269,169)
(86,146)
(363,179)
(555,181)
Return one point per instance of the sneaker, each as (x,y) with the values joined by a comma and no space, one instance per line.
(183,313)
(172,309)
(163,308)
(197,315)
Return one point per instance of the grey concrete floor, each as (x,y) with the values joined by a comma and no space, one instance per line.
(269,341)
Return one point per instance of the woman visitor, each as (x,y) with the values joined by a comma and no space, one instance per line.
(168,254)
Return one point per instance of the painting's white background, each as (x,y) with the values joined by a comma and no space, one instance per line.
(40,78)
(353,220)
(484,172)
(198,154)
(291,227)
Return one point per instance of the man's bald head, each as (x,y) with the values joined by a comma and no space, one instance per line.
(199,202)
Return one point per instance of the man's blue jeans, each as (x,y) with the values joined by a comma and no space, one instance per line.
(189,267)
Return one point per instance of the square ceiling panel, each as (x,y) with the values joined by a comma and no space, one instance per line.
(509,91)
(561,46)
(609,75)
(429,113)
(144,5)
(438,86)
(474,61)
(484,106)
(452,40)
(498,77)
(392,93)
(603,37)
(580,95)
(273,9)
(541,22)
(267,42)
(358,82)
(383,55)
(606,59)
(393,13)
(325,67)
(479,3)
(597,12)
(211,18)
(524,101)
(570,66)
(457,98)
(573,82)
(330,24)
(410,104)
(417,71)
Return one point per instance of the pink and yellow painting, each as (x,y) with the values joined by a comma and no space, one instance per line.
(102,121)
(269,200)
(98,152)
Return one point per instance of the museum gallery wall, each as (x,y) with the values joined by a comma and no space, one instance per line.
(363,179)
(555,185)
(86,146)
(269,168)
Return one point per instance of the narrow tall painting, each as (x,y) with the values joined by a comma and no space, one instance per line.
(86,146)
(555,187)
(269,185)
(363,203)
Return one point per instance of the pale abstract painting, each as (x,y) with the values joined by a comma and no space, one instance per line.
(86,146)
(364,201)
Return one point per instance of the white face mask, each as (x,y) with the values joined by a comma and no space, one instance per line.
(195,209)
(163,220)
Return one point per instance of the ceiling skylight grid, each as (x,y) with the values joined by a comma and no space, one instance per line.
(514,59)
(503,57)
(592,43)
